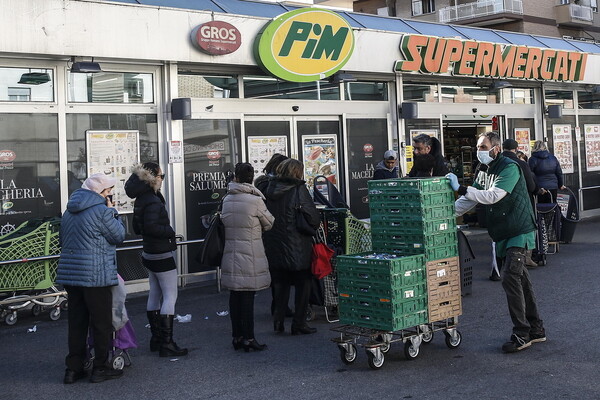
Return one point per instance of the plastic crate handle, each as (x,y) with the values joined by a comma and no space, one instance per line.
(363,276)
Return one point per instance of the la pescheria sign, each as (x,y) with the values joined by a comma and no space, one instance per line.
(434,55)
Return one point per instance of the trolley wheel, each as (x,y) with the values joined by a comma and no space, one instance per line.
(310,314)
(410,352)
(36,310)
(118,362)
(427,337)
(64,305)
(453,343)
(348,356)
(11,318)
(375,360)
(55,313)
(385,344)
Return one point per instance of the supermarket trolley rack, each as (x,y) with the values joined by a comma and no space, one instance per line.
(30,281)
(377,343)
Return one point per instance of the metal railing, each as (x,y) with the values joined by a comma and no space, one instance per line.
(583,13)
(479,9)
(180,242)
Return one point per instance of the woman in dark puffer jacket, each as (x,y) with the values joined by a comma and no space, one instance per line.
(150,219)
(288,250)
(547,172)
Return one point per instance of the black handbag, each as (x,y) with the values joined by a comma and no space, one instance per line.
(301,223)
(214,243)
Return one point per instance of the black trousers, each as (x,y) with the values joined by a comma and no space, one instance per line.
(241,312)
(282,282)
(90,309)
(522,304)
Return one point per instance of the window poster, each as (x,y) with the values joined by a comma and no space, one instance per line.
(591,134)
(261,148)
(114,153)
(563,147)
(522,136)
(320,157)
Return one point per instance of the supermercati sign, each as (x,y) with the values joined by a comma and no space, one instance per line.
(304,45)
(435,55)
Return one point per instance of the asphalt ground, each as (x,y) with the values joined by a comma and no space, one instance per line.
(309,367)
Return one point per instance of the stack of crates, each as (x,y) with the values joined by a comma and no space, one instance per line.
(416,216)
(382,291)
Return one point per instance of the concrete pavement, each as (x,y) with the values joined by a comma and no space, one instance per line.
(307,367)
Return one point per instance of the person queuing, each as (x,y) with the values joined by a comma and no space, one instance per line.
(425,144)
(245,268)
(547,172)
(424,166)
(501,188)
(387,168)
(261,184)
(151,220)
(289,251)
(90,230)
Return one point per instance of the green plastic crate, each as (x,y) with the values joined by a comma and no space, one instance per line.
(413,241)
(393,226)
(366,263)
(380,319)
(394,308)
(393,294)
(399,200)
(381,280)
(421,185)
(430,253)
(382,212)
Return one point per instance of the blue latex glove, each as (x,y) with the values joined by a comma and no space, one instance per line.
(453,181)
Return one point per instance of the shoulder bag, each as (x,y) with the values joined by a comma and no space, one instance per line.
(214,242)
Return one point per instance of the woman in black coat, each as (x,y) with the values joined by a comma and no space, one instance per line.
(151,220)
(288,250)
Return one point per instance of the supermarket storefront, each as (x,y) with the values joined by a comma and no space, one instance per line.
(311,84)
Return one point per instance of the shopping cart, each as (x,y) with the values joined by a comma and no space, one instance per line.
(30,283)
(548,218)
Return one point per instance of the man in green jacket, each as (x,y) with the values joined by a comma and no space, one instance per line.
(501,188)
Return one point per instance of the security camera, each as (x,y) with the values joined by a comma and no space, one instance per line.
(295,108)
(474,110)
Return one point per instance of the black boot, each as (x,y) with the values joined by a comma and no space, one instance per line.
(252,344)
(154,321)
(168,348)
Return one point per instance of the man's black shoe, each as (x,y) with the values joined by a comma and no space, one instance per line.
(516,343)
(105,373)
(72,376)
(495,277)
(538,337)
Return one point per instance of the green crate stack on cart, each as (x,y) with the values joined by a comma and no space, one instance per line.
(382,291)
(413,216)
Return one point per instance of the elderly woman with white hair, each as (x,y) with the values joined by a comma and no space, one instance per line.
(547,172)
(90,230)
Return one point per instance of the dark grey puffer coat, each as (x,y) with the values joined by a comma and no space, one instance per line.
(288,249)
(245,216)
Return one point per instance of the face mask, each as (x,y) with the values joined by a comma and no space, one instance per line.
(484,157)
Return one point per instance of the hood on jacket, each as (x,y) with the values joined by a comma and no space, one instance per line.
(141,181)
(541,154)
(381,165)
(237,188)
(278,187)
(82,199)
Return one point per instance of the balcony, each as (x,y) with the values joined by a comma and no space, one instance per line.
(574,15)
(483,13)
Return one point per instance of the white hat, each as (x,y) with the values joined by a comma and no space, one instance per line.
(389,155)
(98,182)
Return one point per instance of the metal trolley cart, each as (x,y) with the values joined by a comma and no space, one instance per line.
(30,283)
(377,343)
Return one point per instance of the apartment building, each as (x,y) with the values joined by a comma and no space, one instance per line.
(557,18)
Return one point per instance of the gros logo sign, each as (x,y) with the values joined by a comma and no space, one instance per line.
(304,45)
(217,38)
(7,155)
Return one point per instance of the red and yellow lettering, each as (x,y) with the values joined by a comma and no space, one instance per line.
(503,61)
(410,48)
(517,71)
(534,59)
(547,65)
(581,67)
(431,62)
(561,70)
(452,54)
(573,60)
(468,58)
(485,54)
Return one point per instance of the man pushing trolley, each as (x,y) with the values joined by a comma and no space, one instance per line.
(501,188)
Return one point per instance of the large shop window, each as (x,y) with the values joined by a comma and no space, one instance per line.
(111,87)
(27,84)
(209,149)
(420,92)
(145,127)
(589,98)
(207,86)
(374,91)
(561,142)
(29,178)
(589,148)
(262,87)
(559,97)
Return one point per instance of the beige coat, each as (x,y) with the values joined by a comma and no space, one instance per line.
(245,216)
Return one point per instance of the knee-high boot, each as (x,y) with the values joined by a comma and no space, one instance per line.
(168,348)
(154,321)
